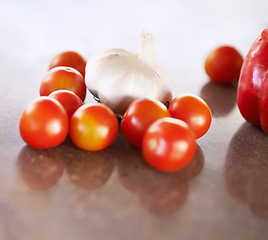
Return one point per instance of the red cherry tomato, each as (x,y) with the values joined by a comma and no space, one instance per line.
(69,100)
(44,123)
(168,144)
(69,59)
(139,116)
(223,64)
(67,78)
(194,111)
(93,127)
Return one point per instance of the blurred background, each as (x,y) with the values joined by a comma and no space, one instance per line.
(184,31)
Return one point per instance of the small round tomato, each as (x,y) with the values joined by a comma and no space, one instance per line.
(223,64)
(93,127)
(194,111)
(69,100)
(168,144)
(69,59)
(44,123)
(67,78)
(139,116)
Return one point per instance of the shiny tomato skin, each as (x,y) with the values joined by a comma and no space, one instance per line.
(93,127)
(66,78)
(139,116)
(223,65)
(69,100)
(69,59)
(168,144)
(44,123)
(194,111)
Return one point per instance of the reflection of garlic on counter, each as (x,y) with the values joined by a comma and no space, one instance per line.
(116,77)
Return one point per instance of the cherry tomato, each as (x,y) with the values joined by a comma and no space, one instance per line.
(93,127)
(168,144)
(138,117)
(44,123)
(69,59)
(223,64)
(69,100)
(67,78)
(194,111)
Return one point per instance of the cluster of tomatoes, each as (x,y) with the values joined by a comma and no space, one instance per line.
(166,133)
(60,110)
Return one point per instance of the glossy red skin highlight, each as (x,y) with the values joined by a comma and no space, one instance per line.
(44,123)
(223,65)
(140,114)
(252,80)
(69,100)
(194,111)
(93,127)
(69,59)
(168,144)
(67,78)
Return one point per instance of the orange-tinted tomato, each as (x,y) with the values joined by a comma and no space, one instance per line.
(138,117)
(93,127)
(67,78)
(223,64)
(168,144)
(194,111)
(69,59)
(69,100)
(44,123)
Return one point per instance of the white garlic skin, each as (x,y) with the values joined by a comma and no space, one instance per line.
(117,77)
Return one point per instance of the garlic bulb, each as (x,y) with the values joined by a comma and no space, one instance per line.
(117,77)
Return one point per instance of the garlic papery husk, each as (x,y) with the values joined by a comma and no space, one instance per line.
(117,77)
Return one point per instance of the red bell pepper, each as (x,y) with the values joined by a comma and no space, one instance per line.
(252,95)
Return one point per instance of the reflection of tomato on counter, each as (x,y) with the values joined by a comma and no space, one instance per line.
(161,193)
(221,99)
(85,169)
(40,169)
